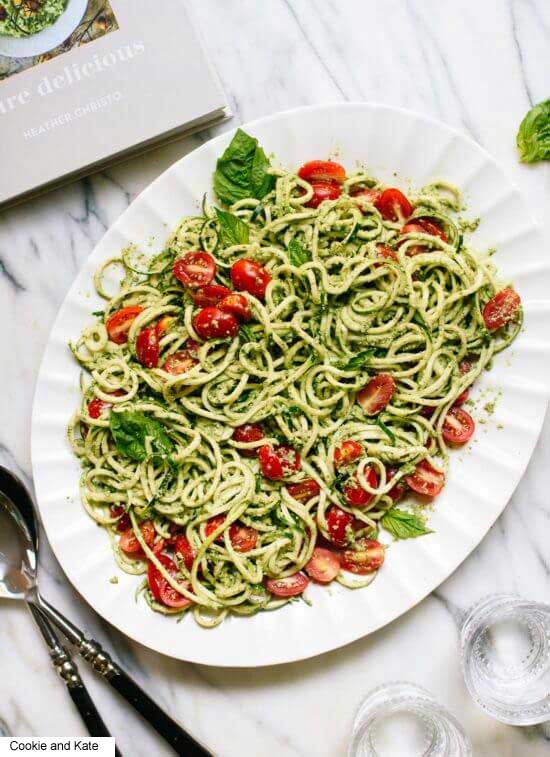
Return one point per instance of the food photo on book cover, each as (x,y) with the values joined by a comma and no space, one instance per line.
(35,31)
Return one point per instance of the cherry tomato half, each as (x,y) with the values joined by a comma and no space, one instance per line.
(347,452)
(426,480)
(304,490)
(339,523)
(377,393)
(97,407)
(212,525)
(163,325)
(123,523)
(385,252)
(147,347)
(366,193)
(290,586)
(129,543)
(179,362)
(195,269)
(118,324)
(209,295)
(458,426)
(213,323)
(250,432)
(322,170)
(278,462)
(183,548)
(501,309)
(249,276)
(161,590)
(393,205)
(467,364)
(323,190)
(355,494)
(366,557)
(243,538)
(237,305)
(461,399)
(398,490)
(323,565)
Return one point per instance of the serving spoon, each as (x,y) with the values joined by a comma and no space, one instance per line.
(18,580)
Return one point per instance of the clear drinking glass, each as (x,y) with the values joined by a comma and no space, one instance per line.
(505,643)
(403,720)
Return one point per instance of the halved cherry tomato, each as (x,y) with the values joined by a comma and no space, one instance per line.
(213,323)
(347,452)
(163,325)
(212,525)
(129,543)
(467,364)
(278,462)
(383,251)
(427,411)
(290,586)
(355,494)
(501,309)
(147,347)
(322,170)
(461,399)
(323,190)
(237,305)
(249,276)
(179,362)
(195,269)
(209,295)
(398,490)
(366,193)
(243,538)
(161,590)
(393,205)
(339,523)
(458,426)
(424,226)
(183,548)
(250,432)
(304,490)
(118,324)
(426,480)
(377,393)
(97,407)
(191,346)
(323,565)
(366,557)
(123,523)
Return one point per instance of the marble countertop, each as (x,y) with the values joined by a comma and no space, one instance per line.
(477,66)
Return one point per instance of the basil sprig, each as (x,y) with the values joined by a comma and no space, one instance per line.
(404,525)
(232,229)
(242,170)
(533,138)
(131,428)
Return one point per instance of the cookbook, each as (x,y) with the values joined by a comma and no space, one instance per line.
(85,83)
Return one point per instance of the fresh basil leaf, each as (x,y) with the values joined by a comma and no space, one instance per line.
(131,428)
(385,429)
(99,313)
(297,254)
(533,139)
(404,525)
(242,170)
(358,361)
(460,242)
(232,229)
(246,334)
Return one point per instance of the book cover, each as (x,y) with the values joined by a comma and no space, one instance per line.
(86,82)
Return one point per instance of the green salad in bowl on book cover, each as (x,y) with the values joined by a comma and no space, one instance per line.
(22,18)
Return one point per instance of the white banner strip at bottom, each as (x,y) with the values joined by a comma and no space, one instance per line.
(60,745)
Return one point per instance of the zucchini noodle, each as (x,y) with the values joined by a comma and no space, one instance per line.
(295,370)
